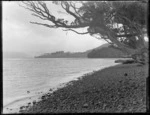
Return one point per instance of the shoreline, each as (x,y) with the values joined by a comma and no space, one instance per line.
(120,88)
(14,107)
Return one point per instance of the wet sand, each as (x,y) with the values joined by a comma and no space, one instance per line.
(120,88)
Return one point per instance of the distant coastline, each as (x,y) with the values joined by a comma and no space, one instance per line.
(103,51)
(62,54)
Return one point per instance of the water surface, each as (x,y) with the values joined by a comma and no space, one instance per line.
(41,74)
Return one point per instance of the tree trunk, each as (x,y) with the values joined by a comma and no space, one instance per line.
(140,54)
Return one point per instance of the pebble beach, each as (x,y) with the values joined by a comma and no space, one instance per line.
(120,88)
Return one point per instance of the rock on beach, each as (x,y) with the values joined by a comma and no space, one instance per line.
(120,88)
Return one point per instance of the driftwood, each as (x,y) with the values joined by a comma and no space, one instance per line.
(125,61)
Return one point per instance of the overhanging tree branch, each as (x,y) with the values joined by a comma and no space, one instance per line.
(39,17)
(100,18)
(46,25)
(41,11)
(76,31)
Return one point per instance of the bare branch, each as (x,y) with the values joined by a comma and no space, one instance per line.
(67,9)
(75,9)
(26,8)
(39,17)
(41,11)
(76,31)
(50,26)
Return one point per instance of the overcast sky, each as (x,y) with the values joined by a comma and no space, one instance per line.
(21,36)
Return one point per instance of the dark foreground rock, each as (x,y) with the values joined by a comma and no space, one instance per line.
(121,88)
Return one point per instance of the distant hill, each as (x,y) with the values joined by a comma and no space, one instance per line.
(62,54)
(107,51)
(103,51)
(99,47)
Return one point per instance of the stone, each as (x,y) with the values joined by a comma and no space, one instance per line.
(125,74)
(43,97)
(120,81)
(104,106)
(34,102)
(26,106)
(134,102)
(21,107)
(85,105)
(28,91)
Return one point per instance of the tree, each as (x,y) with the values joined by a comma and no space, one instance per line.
(121,24)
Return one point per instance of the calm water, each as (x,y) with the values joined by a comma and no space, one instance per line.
(36,75)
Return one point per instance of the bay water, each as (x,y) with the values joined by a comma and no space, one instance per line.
(24,78)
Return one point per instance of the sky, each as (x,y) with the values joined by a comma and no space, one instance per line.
(19,35)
